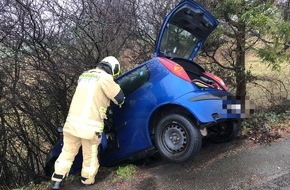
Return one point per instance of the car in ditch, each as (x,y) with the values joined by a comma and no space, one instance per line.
(172,103)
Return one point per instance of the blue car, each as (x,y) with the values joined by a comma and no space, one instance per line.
(172,103)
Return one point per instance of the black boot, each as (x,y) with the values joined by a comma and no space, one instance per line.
(55,185)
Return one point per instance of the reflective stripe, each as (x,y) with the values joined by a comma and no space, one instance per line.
(85,121)
(93,160)
(63,163)
(62,168)
(103,110)
(80,121)
(91,170)
(57,176)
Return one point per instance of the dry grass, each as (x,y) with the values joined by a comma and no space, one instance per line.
(271,87)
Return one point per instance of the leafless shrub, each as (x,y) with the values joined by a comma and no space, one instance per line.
(44,46)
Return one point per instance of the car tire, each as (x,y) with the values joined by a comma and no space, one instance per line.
(177,139)
(224,132)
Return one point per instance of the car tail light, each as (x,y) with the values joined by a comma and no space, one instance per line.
(174,68)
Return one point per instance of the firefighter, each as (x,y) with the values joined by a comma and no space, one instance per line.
(85,121)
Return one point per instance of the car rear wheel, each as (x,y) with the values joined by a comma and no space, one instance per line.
(224,132)
(177,139)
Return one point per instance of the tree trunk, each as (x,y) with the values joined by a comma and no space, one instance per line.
(240,62)
(287,11)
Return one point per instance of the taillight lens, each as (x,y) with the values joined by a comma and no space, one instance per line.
(174,68)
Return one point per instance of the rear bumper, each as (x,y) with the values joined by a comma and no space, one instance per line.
(211,109)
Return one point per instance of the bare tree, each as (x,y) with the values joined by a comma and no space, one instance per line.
(44,46)
(149,18)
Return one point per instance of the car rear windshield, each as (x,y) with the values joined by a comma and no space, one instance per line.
(177,42)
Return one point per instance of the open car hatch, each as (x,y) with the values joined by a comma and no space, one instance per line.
(184,31)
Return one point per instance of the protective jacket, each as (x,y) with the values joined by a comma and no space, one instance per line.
(88,108)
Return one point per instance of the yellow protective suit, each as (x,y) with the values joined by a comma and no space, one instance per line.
(84,123)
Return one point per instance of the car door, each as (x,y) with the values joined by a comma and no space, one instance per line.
(129,121)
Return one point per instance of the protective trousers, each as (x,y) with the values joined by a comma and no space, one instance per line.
(71,146)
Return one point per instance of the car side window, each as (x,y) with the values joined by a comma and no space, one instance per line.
(134,79)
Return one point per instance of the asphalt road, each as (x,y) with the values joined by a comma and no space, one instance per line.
(231,167)
(234,165)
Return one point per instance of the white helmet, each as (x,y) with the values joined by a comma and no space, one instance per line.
(114,65)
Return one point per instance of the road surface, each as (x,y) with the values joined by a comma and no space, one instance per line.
(235,165)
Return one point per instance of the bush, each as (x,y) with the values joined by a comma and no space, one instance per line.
(268,125)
